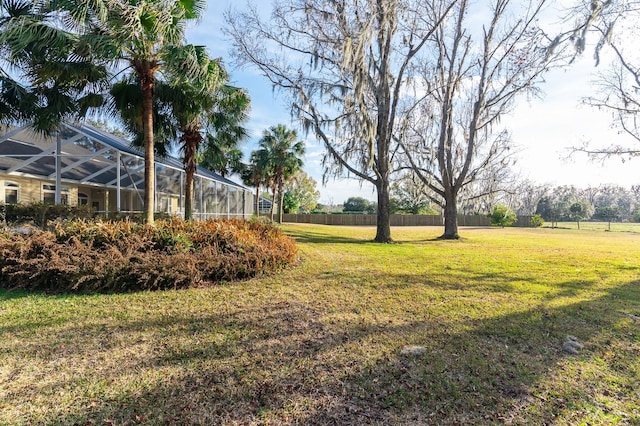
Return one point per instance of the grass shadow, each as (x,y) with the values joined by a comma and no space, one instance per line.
(510,369)
(307,236)
(14,294)
(300,354)
(285,363)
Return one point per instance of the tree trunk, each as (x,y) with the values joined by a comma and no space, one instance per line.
(383,220)
(146,85)
(280,199)
(190,141)
(257,200)
(450,219)
(273,202)
(188,195)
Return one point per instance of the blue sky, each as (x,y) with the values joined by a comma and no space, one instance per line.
(543,129)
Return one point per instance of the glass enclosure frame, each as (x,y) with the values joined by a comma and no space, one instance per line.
(106,172)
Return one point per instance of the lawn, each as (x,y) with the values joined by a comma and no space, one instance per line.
(322,343)
(599,226)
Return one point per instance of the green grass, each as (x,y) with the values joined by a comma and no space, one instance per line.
(599,226)
(321,343)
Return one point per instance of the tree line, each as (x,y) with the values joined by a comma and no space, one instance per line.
(419,89)
(394,89)
(608,203)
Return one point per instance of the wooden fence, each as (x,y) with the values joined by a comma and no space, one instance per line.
(396,220)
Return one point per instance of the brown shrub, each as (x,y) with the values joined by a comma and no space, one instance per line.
(122,256)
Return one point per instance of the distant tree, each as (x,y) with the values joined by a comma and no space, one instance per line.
(552,209)
(321,208)
(523,196)
(223,159)
(301,191)
(555,206)
(608,214)
(290,203)
(613,195)
(356,205)
(502,216)
(409,196)
(578,211)
(258,174)
(220,151)
(590,193)
(489,188)
(536,221)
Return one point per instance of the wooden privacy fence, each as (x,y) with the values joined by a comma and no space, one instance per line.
(396,220)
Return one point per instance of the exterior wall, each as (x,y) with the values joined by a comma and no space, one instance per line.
(30,189)
(167,203)
(105,199)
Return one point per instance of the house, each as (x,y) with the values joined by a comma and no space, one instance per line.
(83,165)
(264,205)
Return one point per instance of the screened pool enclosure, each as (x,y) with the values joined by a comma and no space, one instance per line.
(86,166)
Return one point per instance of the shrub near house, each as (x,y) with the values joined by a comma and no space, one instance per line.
(81,256)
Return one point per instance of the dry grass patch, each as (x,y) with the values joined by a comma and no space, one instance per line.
(322,343)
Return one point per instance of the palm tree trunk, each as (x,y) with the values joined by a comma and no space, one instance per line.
(280,199)
(258,200)
(190,140)
(146,85)
(188,195)
(273,202)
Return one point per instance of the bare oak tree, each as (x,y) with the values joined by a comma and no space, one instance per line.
(614,26)
(475,73)
(346,66)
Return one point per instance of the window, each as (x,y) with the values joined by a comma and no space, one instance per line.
(11,192)
(49,194)
(83,199)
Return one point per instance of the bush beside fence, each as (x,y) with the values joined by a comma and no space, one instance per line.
(396,220)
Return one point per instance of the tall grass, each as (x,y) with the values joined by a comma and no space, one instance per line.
(323,343)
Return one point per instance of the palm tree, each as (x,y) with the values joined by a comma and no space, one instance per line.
(221,158)
(143,37)
(51,72)
(279,149)
(187,113)
(220,152)
(197,112)
(148,36)
(257,174)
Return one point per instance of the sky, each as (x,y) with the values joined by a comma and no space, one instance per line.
(543,129)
